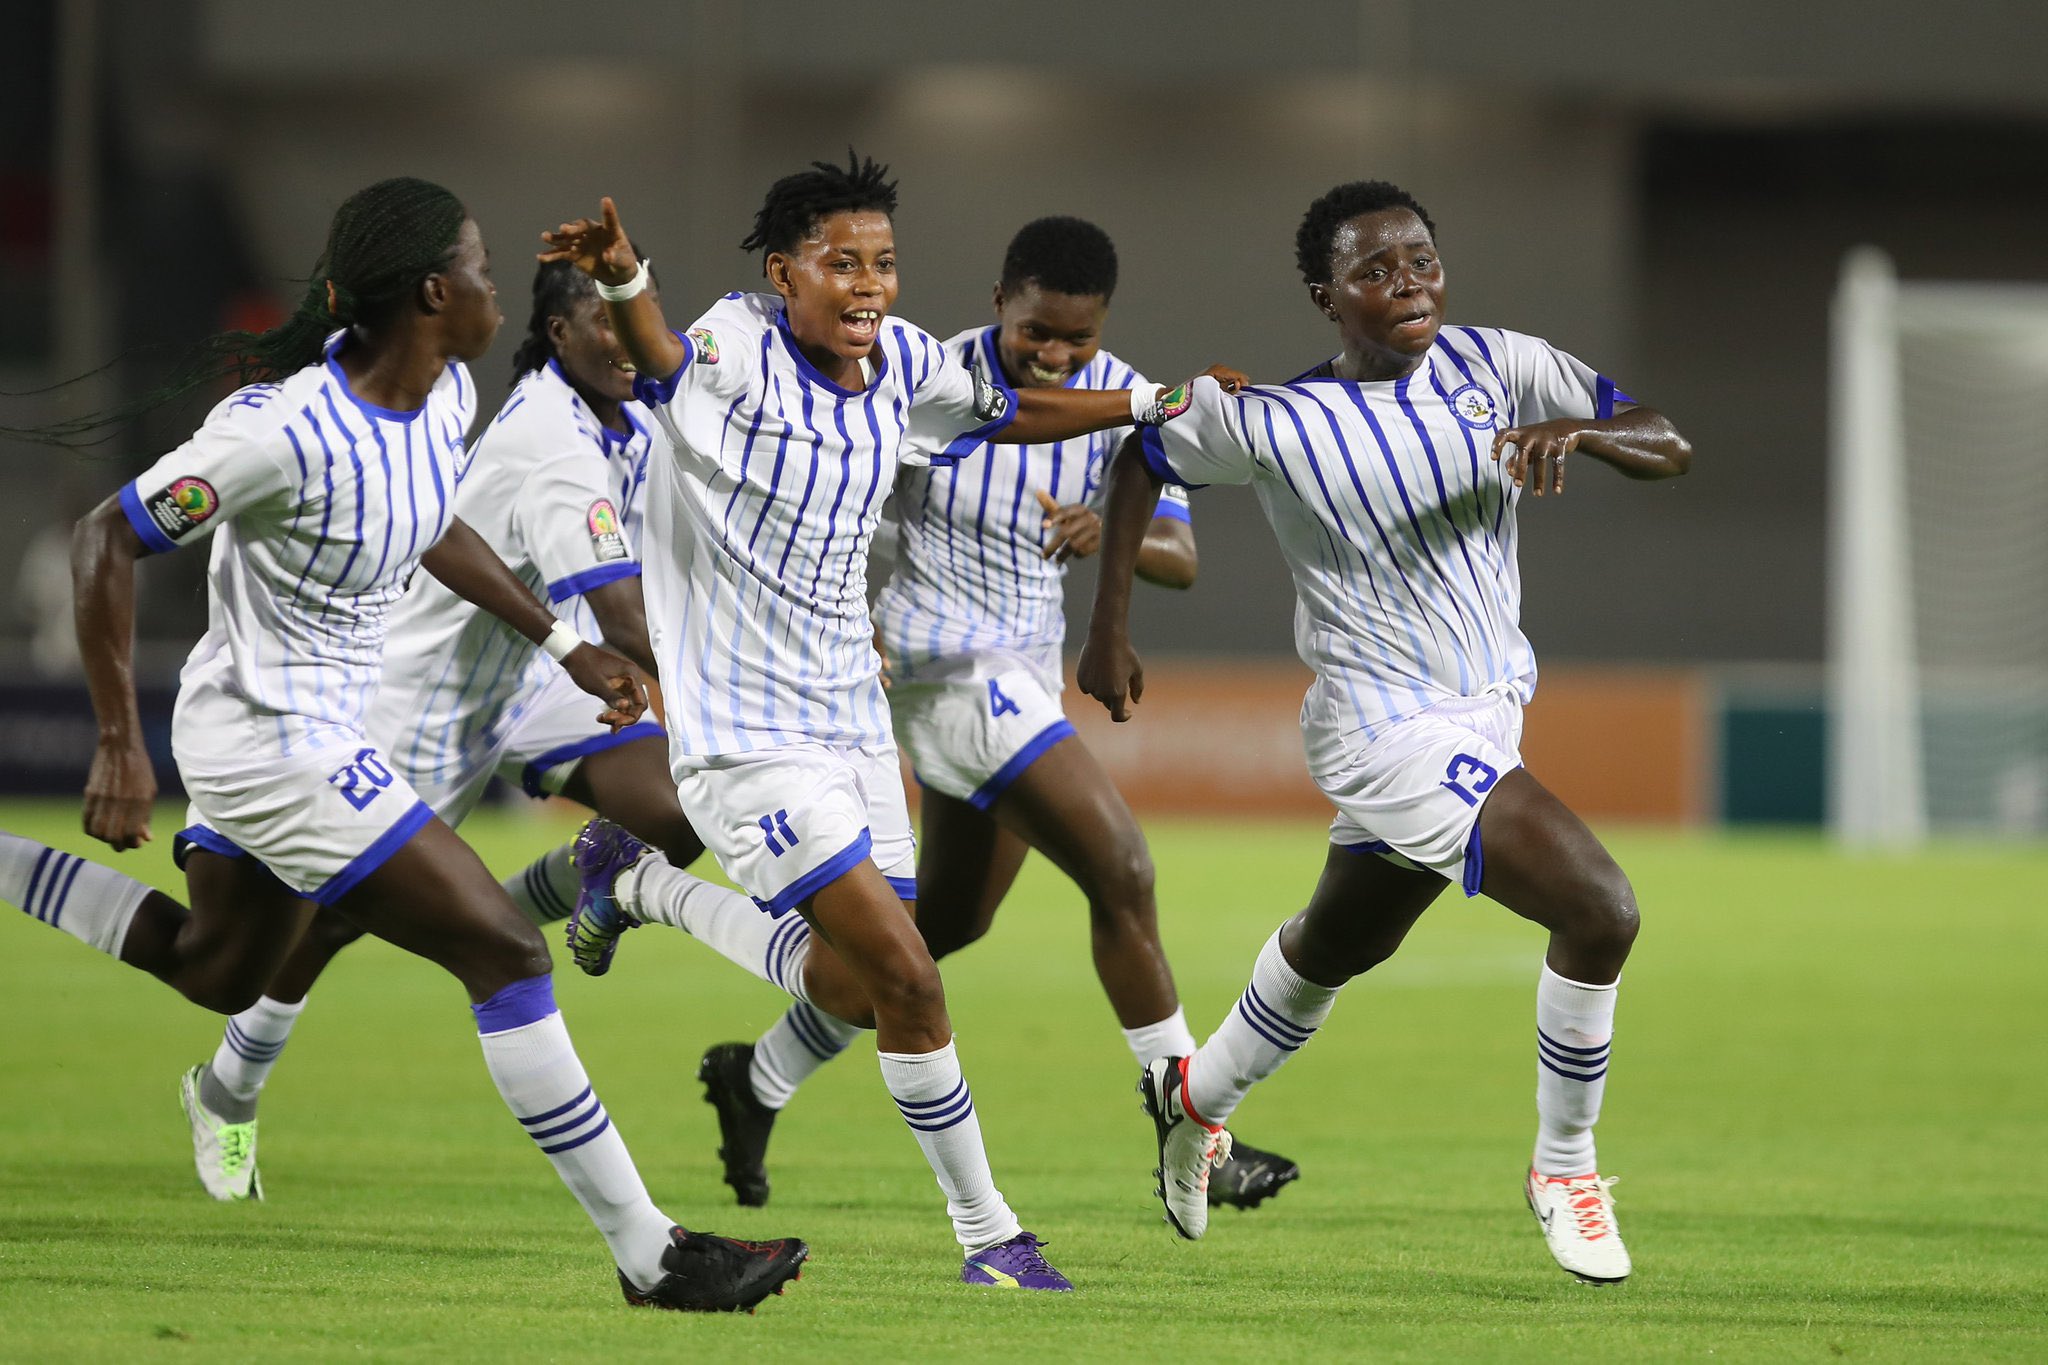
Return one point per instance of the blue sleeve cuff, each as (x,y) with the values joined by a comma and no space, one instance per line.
(655,392)
(150,533)
(1152,445)
(1172,511)
(576,584)
(1605,396)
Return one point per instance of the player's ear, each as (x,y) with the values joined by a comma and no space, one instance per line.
(558,331)
(776,268)
(1319,294)
(434,293)
(998,299)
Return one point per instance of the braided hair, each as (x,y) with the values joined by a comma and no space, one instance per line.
(1063,255)
(558,287)
(382,242)
(1317,235)
(796,204)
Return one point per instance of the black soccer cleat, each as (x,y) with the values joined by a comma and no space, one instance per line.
(743,1121)
(705,1273)
(1249,1177)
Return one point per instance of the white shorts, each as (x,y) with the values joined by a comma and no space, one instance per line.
(1414,794)
(321,818)
(784,823)
(553,733)
(972,739)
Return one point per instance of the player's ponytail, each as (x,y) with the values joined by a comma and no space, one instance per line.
(382,242)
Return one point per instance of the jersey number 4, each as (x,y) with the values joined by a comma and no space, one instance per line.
(777,824)
(362,781)
(1000,705)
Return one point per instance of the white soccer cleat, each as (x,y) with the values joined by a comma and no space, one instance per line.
(1577,1216)
(225,1153)
(1188,1149)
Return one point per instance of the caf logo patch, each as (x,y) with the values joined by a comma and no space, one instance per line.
(705,345)
(605,538)
(1168,406)
(1473,406)
(181,506)
(990,402)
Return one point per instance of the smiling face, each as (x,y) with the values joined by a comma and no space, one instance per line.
(590,352)
(1385,293)
(838,285)
(1044,337)
(468,301)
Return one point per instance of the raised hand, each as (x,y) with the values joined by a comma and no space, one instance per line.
(1075,530)
(597,247)
(1231,379)
(1537,458)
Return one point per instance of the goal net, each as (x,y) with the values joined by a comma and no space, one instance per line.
(1938,558)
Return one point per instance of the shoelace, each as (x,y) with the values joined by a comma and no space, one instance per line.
(1591,1205)
(1028,1247)
(235,1141)
(1214,1154)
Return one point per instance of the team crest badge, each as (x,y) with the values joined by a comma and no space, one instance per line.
(605,536)
(705,344)
(1474,407)
(179,508)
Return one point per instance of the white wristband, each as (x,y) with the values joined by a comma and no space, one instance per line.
(561,641)
(1144,397)
(619,293)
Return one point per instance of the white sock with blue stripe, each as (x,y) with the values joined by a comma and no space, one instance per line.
(251,1044)
(93,904)
(526,1046)
(935,1101)
(656,891)
(1279,1011)
(545,889)
(1574,1028)
(796,1045)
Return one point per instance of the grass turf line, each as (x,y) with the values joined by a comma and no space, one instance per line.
(1824,1104)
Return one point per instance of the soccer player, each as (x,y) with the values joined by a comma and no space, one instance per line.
(972,621)
(324,488)
(553,487)
(789,414)
(1391,475)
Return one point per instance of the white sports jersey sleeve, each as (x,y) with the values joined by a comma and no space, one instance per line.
(715,364)
(227,468)
(1203,443)
(953,407)
(1546,383)
(566,517)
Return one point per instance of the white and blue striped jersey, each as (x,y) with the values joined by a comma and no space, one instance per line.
(556,494)
(1393,517)
(759,521)
(971,578)
(323,504)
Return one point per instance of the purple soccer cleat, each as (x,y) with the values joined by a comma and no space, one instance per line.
(1015,1264)
(603,850)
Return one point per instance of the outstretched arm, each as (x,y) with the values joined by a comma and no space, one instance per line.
(1640,442)
(1109,670)
(471,569)
(600,249)
(621,614)
(1061,414)
(1167,558)
(122,785)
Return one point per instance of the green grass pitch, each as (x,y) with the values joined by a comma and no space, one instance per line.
(1828,1107)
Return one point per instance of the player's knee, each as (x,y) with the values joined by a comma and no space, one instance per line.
(1606,915)
(909,991)
(1121,897)
(512,949)
(222,990)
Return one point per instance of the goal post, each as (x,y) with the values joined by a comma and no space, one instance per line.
(1938,558)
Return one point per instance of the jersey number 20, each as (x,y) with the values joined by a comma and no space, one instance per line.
(362,781)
